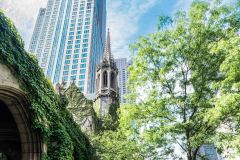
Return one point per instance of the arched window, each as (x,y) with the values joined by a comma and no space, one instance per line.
(105,79)
(113,81)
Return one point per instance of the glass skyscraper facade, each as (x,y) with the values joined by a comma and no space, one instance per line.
(123,75)
(68,40)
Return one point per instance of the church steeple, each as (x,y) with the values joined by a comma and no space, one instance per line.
(107,51)
(106,81)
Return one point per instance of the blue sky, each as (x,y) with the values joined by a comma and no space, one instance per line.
(130,19)
(127,19)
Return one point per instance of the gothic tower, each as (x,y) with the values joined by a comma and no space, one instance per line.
(106,82)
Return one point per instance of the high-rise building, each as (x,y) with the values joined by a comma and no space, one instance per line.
(68,40)
(123,74)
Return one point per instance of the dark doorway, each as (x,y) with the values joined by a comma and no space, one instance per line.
(10,144)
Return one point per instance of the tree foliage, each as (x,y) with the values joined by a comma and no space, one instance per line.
(78,104)
(175,79)
(116,146)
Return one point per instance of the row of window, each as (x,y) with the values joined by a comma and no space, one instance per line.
(73,72)
(75,61)
(80,83)
(79,37)
(66,67)
(78,46)
(75,56)
(77,42)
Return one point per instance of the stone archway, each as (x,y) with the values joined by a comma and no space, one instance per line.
(18,141)
(10,143)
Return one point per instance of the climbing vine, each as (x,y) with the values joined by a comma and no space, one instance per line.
(50,117)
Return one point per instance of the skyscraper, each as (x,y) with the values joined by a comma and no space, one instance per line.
(123,74)
(68,39)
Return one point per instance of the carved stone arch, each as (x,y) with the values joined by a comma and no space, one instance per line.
(20,142)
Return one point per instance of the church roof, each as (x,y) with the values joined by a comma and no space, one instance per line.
(107,51)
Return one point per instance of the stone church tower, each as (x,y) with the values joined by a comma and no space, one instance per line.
(106,83)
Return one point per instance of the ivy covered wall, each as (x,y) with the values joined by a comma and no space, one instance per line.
(50,118)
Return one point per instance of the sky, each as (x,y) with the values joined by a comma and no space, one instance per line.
(127,19)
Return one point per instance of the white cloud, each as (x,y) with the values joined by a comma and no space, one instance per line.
(123,21)
(24,14)
(183,5)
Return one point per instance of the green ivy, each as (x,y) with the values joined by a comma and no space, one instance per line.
(50,117)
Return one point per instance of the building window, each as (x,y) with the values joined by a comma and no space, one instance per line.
(71,33)
(83,66)
(65,78)
(82,70)
(105,79)
(83,60)
(74,72)
(69,51)
(76,56)
(82,77)
(112,80)
(77,41)
(76,51)
(67,61)
(73,78)
(84,50)
(74,66)
(69,47)
(81,83)
(70,42)
(85,45)
(65,73)
(77,46)
(75,61)
(70,37)
(68,57)
(86,31)
(66,67)
(84,55)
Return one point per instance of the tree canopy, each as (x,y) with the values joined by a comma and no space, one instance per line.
(184,81)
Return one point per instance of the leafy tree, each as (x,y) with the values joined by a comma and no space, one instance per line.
(112,142)
(114,145)
(174,79)
(226,112)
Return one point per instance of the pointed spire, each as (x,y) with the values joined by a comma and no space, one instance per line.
(107,51)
